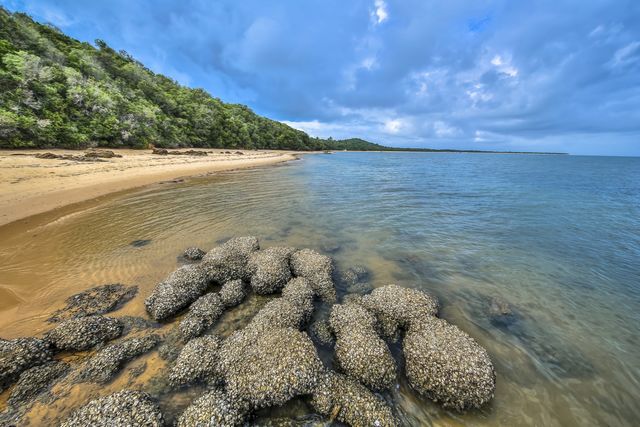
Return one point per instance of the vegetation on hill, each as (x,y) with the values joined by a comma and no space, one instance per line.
(58,92)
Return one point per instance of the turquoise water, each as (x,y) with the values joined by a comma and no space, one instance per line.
(557,237)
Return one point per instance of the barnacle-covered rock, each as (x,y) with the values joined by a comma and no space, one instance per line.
(267,368)
(447,365)
(360,352)
(202,314)
(229,261)
(97,300)
(282,313)
(35,381)
(269,269)
(124,408)
(84,333)
(108,361)
(214,409)
(177,291)
(299,291)
(19,354)
(193,254)
(318,269)
(232,293)
(198,360)
(350,402)
(320,332)
(397,307)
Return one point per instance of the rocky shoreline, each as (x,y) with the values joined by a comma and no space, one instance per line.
(271,360)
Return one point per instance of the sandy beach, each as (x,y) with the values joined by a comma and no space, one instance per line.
(30,186)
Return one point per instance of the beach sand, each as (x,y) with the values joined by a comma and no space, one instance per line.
(30,186)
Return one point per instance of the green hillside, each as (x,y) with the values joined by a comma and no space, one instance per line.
(58,92)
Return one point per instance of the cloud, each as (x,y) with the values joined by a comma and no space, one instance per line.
(491,74)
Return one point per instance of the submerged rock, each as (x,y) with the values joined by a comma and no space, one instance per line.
(214,409)
(84,333)
(501,312)
(359,351)
(448,366)
(177,291)
(317,269)
(124,408)
(20,354)
(269,269)
(348,401)
(202,314)
(354,275)
(397,307)
(320,332)
(232,293)
(193,254)
(267,368)
(35,381)
(198,360)
(107,362)
(97,300)
(229,261)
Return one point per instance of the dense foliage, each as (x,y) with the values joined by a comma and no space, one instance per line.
(58,92)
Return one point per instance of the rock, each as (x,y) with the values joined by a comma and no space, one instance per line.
(67,157)
(232,293)
(102,154)
(171,345)
(35,381)
(124,408)
(193,254)
(299,291)
(317,269)
(97,300)
(177,291)
(397,307)
(281,313)
(354,275)
(198,360)
(160,151)
(269,269)
(107,362)
(359,352)
(448,366)
(214,409)
(19,354)
(202,314)
(344,399)
(229,261)
(320,332)
(84,333)
(136,323)
(267,368)
(500,312)
(140,243)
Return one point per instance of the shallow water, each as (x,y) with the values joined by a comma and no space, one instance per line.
(558,237)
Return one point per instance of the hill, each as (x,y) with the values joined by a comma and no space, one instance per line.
(59,92)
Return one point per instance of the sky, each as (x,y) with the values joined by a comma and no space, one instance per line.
(536,75)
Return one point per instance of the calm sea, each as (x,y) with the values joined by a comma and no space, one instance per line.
(557,237)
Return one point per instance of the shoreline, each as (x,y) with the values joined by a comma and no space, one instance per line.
(31,186)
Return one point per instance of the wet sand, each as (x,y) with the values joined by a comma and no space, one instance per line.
(30,186)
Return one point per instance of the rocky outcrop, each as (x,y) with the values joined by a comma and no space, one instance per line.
(84,333)
(97,300)
(20,354)
(316,268)
(176,292)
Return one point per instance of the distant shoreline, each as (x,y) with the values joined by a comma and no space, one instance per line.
(30,186)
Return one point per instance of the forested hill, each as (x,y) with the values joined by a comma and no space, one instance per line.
(58,92)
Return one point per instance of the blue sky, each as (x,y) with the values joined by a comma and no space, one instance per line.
(508,75)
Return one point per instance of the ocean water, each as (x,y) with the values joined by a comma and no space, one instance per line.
(557,237)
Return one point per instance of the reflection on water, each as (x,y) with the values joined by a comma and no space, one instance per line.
(556,237)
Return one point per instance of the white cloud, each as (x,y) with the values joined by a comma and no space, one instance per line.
(393,126)
(626,55)
(444,130)
(380,13)
(504,66)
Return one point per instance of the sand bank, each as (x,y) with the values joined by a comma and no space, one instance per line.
(30,186)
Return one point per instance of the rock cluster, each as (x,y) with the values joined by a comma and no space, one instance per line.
(107,362)
(124,408)
(97,300)
(101,154)
(318,269)
(359,351)
(36,381)
(214,409)
(198,360)
(84,333)
(176,292)
(350,402)
(20,354)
